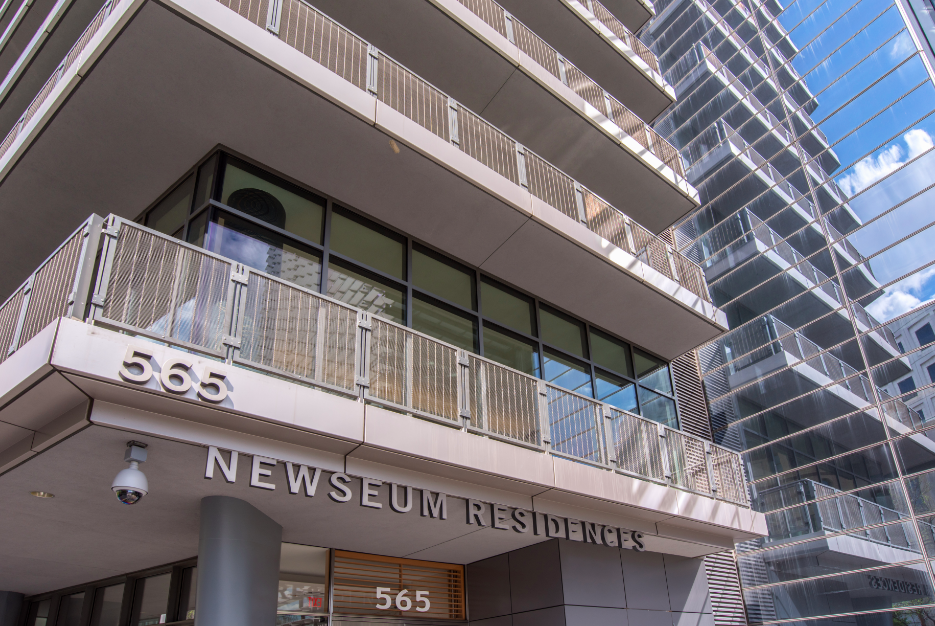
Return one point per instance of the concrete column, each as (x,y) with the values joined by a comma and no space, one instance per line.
(11,604)
(238,564)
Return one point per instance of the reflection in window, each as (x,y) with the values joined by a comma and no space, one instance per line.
(373,295)
(435,274)
(107,603)
(151,601)
(610,353)
(906,385)
(357,238)
(616,392)
(303,584)
(445,325)
(566,373)
(205,186)
(69,611)
(169,215)
(196,230)
(265,197)
(508,307)
(658,408)
(925,335)
(187,593)
(39,613)
(264,250)
(508,350)
(652,372)
(563,332)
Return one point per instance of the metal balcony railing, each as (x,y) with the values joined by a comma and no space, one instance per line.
(345,54)
(151,285)
(549,58)
(832,514)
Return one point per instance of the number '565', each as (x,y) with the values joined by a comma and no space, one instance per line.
(175,376)
(403,602)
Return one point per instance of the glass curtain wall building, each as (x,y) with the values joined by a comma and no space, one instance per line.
(807,128)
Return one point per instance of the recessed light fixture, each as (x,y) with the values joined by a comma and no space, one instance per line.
(42,494)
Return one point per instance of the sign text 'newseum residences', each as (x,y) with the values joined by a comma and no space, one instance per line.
(403,500)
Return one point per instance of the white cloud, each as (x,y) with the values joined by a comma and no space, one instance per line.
(902,297)
(902,47)
(870,169)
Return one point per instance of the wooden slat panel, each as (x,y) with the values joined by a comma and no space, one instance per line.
(357,576)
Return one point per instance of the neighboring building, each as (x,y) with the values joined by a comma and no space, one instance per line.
(914,333)
(807,128)
(385,307)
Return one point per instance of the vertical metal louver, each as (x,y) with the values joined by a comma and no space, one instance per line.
(693,412)
(724,587)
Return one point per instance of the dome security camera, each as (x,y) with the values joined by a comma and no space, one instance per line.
(131,485)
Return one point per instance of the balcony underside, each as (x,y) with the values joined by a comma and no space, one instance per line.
(568,33)
(482,75)
(633,13)
(166,92)
(55,375)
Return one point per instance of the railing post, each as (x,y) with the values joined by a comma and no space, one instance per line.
(464,387)
(508,23)
(236,303)
(664,449)
(561,69)
(607,423)
(373,69)
(672,268)
(453,130)
(545,427)
(608,108)
(521,166)
(21,319)
(80,295)
(110,233)
(579,202)
(409,381)
(362,356)
(709,463)
(629,232)
(274,16)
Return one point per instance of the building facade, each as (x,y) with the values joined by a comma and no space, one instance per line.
(807,129)
(350,313)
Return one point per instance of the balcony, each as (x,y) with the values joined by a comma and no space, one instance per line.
(491,63)
(152,287)
(398,150)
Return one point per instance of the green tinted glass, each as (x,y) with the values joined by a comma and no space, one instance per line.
(444,325)
(366,292)
(610,353)
(353,237)
(196,230)
(658,408)
(273,201)
(442,278)
(205,182)
(652,372)
(510,351)
(169,215)
(507,307)
(563,332)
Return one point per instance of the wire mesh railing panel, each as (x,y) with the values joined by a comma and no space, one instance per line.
(164,288)
(551,185)
(606,221)
(585,87)
(533,45)
(688,461)
(629,123)
(575,425)
(52,288)
(691,277)
(324,41)
(253,10)
(434,378)
(413,97)
(489,11)
(389,367)
(651,250)
(485,143)
(727,471)
(503,401)
(337,327)
(280,327)
(615,26)
(9,317)
(636,445)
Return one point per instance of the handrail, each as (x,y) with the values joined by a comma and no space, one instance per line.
(372,71)
(149,284)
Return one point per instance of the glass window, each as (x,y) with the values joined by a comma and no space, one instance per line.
(374,295)
(196,230)
(616,392)
(355,237)
(906,385)
(566,373)
(563,332)
(187,593)
(107,603)
(658,408)
(264,250)
(151,601)
(69,611)
(39,613)
(504,348)
(448,326)
(435,274)
(925,335)
(611,353)
(169,215)
(267,198)
(303,581)
(652,372)
(507,307)
(205,186)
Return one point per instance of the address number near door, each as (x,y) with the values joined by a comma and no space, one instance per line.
(175,375)
(403,601)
